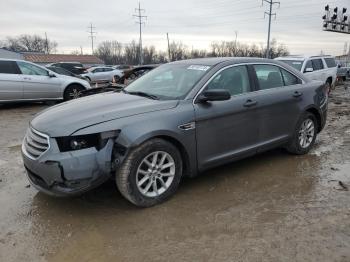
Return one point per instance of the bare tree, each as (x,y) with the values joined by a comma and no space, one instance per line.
(112,52)
(30,43)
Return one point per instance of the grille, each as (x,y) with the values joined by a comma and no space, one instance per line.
(35,143)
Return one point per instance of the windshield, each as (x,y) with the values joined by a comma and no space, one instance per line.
(297,64)
(170,81)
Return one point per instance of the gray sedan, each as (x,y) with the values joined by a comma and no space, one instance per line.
(178,120)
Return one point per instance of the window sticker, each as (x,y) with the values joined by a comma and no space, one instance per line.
(198,67)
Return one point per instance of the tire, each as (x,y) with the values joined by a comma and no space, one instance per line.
(129,176)
(72,92)
(295,144)
(116,78)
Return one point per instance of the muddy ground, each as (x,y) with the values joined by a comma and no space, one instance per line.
(272,207)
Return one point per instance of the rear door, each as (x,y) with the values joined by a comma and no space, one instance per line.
(11,87)
(227,130)
(280,93)
(37,84)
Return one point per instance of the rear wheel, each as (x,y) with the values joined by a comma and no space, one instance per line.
(72,92)
(304,135)
(151,173)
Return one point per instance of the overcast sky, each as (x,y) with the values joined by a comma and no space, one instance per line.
(194,22)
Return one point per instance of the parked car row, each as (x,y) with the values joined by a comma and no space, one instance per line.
(178,120)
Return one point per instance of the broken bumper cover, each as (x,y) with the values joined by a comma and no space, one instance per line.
(69,173)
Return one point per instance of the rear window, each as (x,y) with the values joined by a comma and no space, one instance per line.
(330,62)
(8,67)
(297,64)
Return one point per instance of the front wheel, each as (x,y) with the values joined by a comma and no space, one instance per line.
(72,92)
(304,135)
(151,173)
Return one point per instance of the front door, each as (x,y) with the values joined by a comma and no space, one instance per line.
(226,130)
(37,84)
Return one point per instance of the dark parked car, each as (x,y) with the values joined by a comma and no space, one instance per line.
(62,71)
(76,68)
(134,73)
(178,120)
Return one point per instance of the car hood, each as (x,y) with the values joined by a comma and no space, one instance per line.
(68,117)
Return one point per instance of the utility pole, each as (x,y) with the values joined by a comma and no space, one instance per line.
(236,33)
(270,14)
(81,50)
(141,22)
(46,44)
(167,36)
(92,36)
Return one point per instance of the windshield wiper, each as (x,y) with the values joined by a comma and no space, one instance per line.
(139,93)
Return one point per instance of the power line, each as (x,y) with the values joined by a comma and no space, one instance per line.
(92,36)
(270,14)
(141,22)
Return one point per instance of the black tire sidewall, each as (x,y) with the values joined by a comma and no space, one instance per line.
(148,148)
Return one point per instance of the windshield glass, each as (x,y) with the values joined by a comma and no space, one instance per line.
(297,64)
(171,81)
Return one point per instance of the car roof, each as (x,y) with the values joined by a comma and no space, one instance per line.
(212,61)
(302,57)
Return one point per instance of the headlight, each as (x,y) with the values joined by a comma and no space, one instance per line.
(72,143)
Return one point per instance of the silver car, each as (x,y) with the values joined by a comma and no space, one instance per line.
(25,81)
(103,74)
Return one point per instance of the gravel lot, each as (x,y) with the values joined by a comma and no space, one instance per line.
(272,207)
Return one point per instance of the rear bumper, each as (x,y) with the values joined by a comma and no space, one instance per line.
(71,173)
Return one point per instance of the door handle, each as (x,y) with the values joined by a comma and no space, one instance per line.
(27,78)
(250,103)
(297,94)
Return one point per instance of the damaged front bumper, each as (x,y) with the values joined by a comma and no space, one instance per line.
(68,173)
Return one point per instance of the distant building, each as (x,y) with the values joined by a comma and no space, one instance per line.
(4,53)
(44,59)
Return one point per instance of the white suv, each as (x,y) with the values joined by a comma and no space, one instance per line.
(25,81)
(321,68)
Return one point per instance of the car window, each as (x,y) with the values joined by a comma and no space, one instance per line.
(97,70)
(269,76)
(317,64)
(8,67)
(330,62)
(107,69)
(169,81)
(234,79)
(297,64)
(289,78)
(308,65)
(29,69)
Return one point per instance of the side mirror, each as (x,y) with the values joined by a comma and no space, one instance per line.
(309,70)
(214,95)
(51,75)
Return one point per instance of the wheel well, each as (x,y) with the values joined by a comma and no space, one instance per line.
(74,84)
(329,80)
(318,117)
(183,152)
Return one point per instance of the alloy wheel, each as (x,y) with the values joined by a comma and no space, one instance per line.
(155,174)
(306,133)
